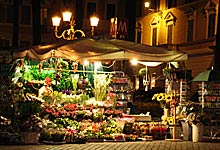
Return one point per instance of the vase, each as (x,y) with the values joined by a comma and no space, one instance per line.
(197,132)
(187,131)
(165,114)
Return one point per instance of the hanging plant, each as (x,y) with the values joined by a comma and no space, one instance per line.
(62,64)
(142,72)
(167,72)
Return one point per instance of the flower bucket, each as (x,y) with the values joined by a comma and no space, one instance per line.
(197,132)
(29,137)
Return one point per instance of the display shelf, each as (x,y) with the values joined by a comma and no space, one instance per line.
(209,93)
(122,89)
(181,87)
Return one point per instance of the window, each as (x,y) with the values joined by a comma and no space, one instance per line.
(170,34)
(154,37)
(6,13)
(139,11)
(10,14)
(4,43)
(44,21)
(190,30)
(43,16)
(139,32)
(211,25)
(26,15)
(110,11)
(2,13)
(91,9)
(189,1)
(171,3)
(154,26)
(170,20)
(24,44)
(155,4)
(66,2)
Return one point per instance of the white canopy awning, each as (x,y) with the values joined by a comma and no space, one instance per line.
(112,49)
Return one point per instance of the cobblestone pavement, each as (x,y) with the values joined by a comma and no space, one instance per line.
(147,145)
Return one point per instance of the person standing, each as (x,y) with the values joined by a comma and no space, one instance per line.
(46,89)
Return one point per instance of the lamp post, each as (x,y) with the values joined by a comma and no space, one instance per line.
(149,8)
(147,4)
(94,20)
(67,34)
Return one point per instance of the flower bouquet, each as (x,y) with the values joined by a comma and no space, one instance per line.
(163,98)
(33,124)
(30,129)
(198,118)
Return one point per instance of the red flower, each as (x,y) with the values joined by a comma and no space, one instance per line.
(111,95)
(73,131)
(48,111)
(56,114)
(70,107)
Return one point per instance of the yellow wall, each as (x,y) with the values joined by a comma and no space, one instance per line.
(200,53)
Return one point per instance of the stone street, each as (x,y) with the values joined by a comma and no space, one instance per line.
(142,145)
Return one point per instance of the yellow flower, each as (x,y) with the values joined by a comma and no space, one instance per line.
(155,96)
(19,84)
(160,97)
(168,97)
(170,120)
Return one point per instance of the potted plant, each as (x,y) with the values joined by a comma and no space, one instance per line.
(30,129)
(28,120)
(58,135)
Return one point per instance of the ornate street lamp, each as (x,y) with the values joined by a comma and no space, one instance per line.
(67,34)
(94,20)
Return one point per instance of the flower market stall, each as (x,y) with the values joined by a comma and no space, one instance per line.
(79,103)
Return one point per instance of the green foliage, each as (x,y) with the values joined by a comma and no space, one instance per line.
(101,82)
(66,122)
(111,127)
(28,108)
(33,74)
(65,82)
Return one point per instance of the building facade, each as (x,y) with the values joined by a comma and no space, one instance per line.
(31,19)
(185,25)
